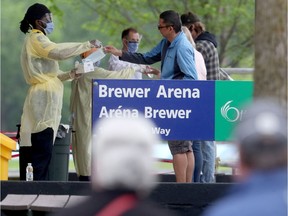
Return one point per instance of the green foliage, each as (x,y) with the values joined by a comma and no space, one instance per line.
(13,87)
(232,21)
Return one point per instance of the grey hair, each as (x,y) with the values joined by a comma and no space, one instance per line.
(262,136)
(123,155)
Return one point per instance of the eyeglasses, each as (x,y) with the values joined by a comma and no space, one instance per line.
(160,27)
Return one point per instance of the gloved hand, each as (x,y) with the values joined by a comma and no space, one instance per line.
(74,75)
(79,68)
(96,43)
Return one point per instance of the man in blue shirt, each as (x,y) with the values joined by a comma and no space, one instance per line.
(177,62)
(174,51)
(262,140)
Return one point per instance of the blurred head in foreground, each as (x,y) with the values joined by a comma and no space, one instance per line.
(123,155)
(262,137)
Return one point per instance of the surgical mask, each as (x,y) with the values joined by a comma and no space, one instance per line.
(49,27)
(133,47)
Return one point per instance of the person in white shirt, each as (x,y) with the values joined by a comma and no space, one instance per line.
(199,60)
(130,41)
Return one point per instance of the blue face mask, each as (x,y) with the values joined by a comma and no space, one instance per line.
(133,47)
(49,27)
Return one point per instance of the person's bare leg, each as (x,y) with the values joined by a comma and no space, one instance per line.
(190,166)
(180,164)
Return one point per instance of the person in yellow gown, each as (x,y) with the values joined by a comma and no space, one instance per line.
(81,109)
(42,107)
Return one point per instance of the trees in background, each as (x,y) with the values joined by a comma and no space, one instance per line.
(271,50)
(232,21)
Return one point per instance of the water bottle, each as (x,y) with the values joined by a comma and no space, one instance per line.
(29,172)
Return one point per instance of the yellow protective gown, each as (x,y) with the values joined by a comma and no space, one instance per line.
(43,103)
(81,109)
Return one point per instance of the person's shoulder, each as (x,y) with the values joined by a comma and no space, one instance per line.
(204,45)
(37,35)
(181,38)
(35,31)
(207,36)
(183,42)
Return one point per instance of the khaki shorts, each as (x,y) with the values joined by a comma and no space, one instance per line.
(179,146)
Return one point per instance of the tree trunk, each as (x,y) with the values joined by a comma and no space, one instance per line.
(270,74)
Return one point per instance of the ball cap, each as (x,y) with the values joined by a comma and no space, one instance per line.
(264,118)
(189,18)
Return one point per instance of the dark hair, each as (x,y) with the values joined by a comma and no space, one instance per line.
(126,32)
(34,12)
(172,18)
(267,152)
(189,18)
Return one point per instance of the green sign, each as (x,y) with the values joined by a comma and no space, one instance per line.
(230,97)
